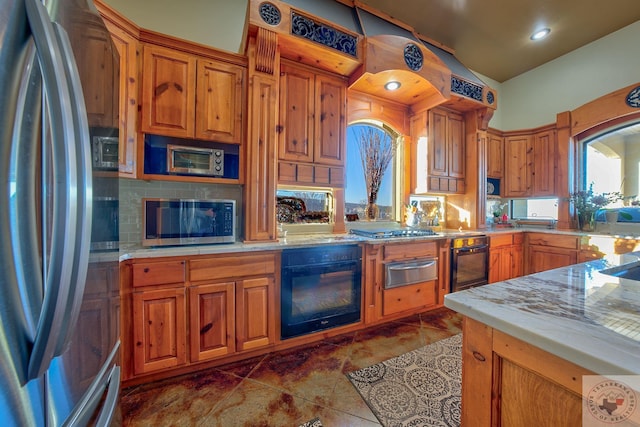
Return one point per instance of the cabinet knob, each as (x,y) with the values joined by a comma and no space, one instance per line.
(146,269)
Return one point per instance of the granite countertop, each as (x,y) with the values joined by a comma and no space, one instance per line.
(314,239)
(576,313)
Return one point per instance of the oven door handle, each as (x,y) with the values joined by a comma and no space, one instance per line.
(411,266)
(471,250)
(333,266)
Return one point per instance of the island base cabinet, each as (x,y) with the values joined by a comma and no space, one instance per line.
(508,382)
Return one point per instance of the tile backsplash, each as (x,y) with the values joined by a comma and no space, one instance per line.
(132,192)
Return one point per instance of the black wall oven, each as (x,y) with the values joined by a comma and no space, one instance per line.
(469,262)
(320,288)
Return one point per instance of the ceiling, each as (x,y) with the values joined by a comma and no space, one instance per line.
(491,37)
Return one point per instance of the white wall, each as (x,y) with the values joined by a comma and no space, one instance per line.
(216,23)
(530,100)
(534,98)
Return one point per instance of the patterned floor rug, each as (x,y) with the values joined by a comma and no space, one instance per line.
(419,388)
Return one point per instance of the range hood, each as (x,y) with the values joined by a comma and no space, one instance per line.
(371,49)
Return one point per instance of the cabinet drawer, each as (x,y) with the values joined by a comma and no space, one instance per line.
(158,273)
(410,250)
(500,240)
(228,267)
(553,240)
(405,298)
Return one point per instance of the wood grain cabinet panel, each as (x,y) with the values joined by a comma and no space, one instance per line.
(211,321)
(168,92)
(505,257)
(219,101)
(187,96)
(312,127)
(495,156)
(446,151)
(129,51)
(529,165)
(159,330)
(255,319)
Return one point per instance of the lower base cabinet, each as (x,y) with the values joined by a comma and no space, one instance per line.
(505,257)
(546,251)
(224,305)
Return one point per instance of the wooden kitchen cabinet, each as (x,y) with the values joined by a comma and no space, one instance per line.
(128,49)
(159,329)
(446,151)
(187,96)
(505,256)
(211,321)
(495,156)
(529,164)
(187,311)
(255,313)
(545,251)
(312,127)
(382,304)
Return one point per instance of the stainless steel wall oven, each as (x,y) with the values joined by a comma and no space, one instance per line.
(320,288)
(469,262)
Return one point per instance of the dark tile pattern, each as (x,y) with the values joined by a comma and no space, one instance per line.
(286,388)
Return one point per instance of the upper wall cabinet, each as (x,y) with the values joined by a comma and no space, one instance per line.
(445,149)
(495,156)
(312,126)
(529,164)
(190,97)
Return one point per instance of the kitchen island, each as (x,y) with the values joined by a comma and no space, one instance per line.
(528,342)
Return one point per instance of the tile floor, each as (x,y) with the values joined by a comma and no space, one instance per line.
(286,388)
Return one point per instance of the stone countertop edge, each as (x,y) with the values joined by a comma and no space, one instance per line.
(579,341)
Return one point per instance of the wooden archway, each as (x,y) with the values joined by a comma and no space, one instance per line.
(595,117)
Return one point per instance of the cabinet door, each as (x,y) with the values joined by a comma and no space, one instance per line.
(127,47)
(168,92)
(98,74)
(296,114)
(495,159)
(517,260)
(211,321)
(255,313)
(495,265)
(437,143)
(543,258)
(544,164)
(455,145)
(159,331)
(330,106)
(219,102)
(517,166)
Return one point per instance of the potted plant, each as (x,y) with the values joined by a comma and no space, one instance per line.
(586,203)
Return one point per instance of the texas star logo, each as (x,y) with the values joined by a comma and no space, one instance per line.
(611,401)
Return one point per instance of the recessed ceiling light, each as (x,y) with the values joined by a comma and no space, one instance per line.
(392,85)
(540,34)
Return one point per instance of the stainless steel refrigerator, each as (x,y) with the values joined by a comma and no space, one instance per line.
(59,328)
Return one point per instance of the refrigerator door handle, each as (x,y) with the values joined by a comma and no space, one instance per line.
(111,401)
(84,192)
(58,267)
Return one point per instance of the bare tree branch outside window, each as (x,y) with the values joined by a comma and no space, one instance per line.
(377,149)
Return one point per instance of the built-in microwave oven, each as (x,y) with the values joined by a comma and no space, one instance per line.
(104,224)
(169,222)
(104,152)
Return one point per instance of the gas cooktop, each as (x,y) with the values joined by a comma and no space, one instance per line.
(390,233)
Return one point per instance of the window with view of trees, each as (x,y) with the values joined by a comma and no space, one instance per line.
(356,193)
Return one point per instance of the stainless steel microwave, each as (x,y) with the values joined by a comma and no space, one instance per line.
(104,152)
(168,222)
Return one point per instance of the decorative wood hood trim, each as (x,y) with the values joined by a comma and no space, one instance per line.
(428,72)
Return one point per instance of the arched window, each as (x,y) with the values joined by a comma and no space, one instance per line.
(356,191)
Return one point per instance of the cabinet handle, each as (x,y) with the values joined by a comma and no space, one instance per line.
(206,328)
(478,356)
(146,269)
